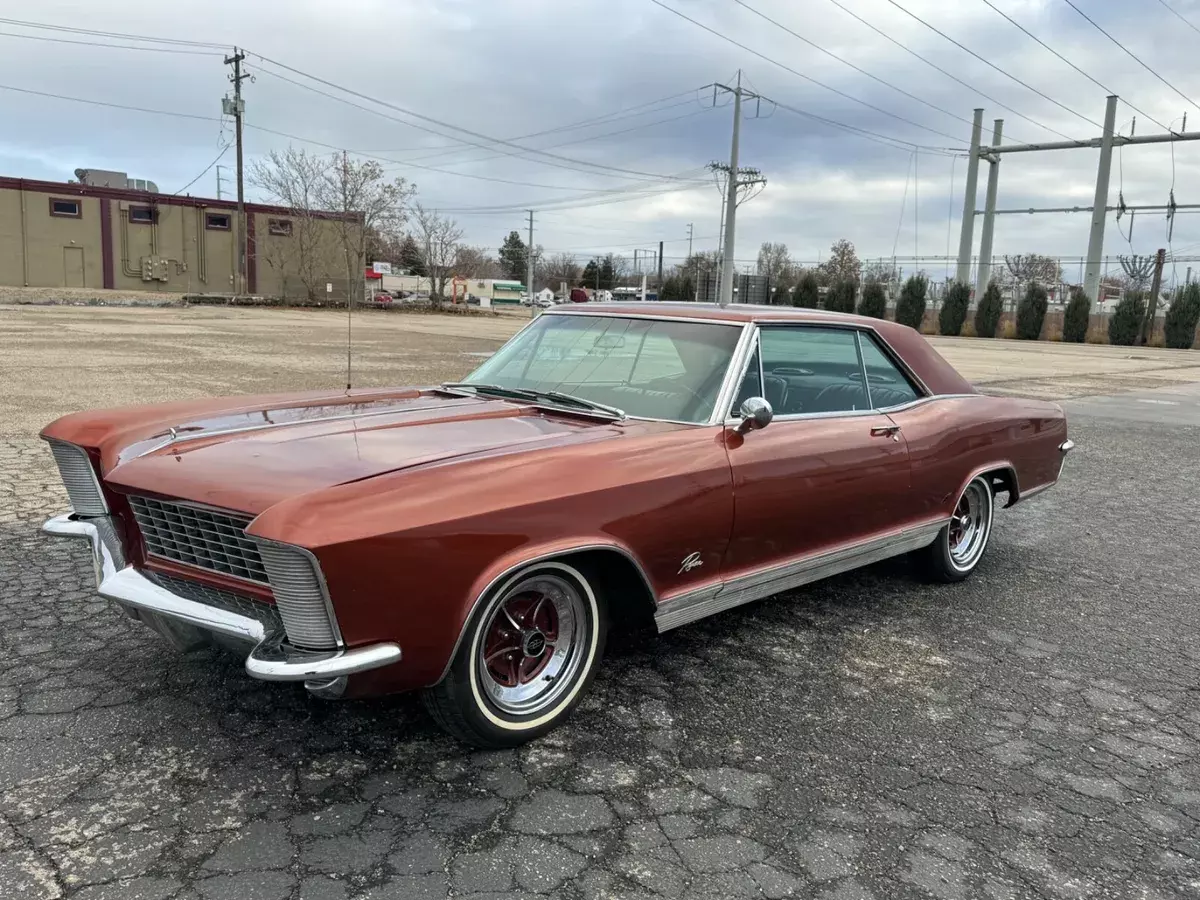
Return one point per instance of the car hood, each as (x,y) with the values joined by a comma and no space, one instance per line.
(232,462)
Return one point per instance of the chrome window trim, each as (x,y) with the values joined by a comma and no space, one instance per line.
(734,372)
(862,367)
(776,577)
(91,469)
(320,576)
(887,410)
(897,361)
(534,560)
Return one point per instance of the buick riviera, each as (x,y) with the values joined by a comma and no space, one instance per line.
(474,540)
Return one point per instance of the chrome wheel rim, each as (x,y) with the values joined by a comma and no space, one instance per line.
(532,643)
(967,533)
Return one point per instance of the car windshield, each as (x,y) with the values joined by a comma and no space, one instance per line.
(650,368)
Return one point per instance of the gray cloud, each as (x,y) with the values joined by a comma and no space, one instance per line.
(512,68)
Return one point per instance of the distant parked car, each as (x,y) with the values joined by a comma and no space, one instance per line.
(382,298)
(579,295)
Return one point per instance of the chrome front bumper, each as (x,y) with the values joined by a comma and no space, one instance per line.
(270,659)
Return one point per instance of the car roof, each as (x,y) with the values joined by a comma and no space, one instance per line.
(736,313)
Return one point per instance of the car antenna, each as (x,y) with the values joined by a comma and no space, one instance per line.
(349,307)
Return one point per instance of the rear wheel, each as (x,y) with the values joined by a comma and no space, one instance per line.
(959,546)
(528,654)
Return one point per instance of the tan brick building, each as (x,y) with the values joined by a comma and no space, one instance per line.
(83,235)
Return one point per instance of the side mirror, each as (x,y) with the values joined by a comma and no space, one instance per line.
(756,415)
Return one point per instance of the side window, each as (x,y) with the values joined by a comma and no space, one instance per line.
(889,386)
(812,370)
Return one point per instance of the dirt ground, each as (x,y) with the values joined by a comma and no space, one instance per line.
(57,359)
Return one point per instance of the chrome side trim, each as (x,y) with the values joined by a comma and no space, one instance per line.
(271,659)
(764,582)
(558,554)
(1034,491)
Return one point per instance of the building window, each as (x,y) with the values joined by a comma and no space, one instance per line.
(217,221)
(279,227)
(141,215)
(70,209)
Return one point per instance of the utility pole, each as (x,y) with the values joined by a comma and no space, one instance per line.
(1091,271)
(349,278)
(238,111)
(695,268)
(660,253)
(984,272)
(1155,287)
(967,234)
(726,295)
(529,267)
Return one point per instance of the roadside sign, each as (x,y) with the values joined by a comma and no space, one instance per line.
(329,287)
(381,268)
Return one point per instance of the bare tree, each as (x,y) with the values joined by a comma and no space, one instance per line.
(296,179)
(439,238)
(774,262)
(476,263)
(367,204)
(559,268)
(881,270)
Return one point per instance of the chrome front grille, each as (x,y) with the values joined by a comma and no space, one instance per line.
(300,597)
(199,537)
(79,478)
(217,598)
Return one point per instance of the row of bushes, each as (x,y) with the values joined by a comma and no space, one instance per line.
(1124,326)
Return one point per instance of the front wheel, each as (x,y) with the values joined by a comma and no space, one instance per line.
(959,546)
(528,654)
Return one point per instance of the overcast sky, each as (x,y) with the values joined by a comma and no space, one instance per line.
(508,68)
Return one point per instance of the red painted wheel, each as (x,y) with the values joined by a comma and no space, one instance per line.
(521,639)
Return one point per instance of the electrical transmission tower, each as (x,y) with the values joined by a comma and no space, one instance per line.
(1099,209)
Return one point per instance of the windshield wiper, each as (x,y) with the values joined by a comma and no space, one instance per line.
(554,397)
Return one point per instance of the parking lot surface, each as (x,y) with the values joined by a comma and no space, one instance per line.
(1032,732)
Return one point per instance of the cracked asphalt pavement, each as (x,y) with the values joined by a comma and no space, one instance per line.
(1032,732)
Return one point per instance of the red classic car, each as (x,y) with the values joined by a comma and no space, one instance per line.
(474,540)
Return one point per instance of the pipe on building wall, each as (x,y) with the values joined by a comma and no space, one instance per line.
(201,250)
(129,273)
(24,238)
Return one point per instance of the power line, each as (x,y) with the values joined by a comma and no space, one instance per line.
(616,115)
(1180,16)
(894,143)
(176,50)
(552,159)
(938,68)
(294,137)
(592,137)
(111,34)
(992,65)
(1130,54)
(847,62)
(224,150)
(1106,89)
(799,74)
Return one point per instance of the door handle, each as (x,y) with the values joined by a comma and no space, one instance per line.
(885,431)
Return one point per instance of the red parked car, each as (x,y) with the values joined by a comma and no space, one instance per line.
(474,540)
